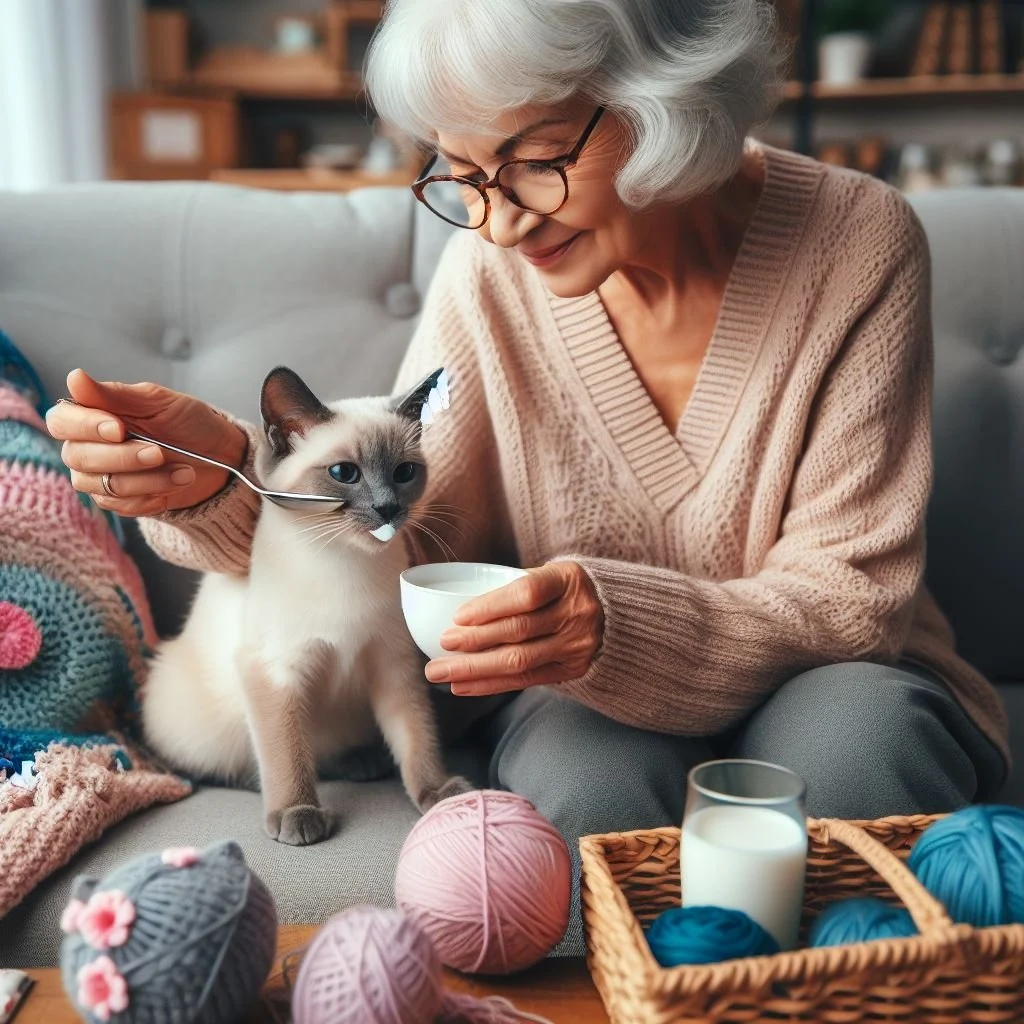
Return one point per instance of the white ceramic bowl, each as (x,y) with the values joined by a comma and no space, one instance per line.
(431,594)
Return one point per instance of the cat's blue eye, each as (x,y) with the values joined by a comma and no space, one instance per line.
(405,473)
(345,472)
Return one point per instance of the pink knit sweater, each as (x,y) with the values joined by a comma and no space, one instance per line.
(780,527)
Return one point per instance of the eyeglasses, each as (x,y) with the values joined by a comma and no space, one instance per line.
(537,186)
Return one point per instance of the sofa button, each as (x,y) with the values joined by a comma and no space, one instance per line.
(175,344)
(402,300)
(1002,350)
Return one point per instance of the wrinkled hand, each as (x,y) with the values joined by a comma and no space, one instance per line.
(144,480)
(543,628)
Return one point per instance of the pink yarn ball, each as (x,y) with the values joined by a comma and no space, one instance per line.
(489,879)
(20,639)
(365,965)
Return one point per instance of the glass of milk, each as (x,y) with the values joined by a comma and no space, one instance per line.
(744,843)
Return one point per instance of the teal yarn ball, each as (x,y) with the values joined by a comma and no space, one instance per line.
(860,920)
(973,863)
(706,935)
(185,936)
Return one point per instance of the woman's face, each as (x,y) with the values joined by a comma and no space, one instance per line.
(594,234)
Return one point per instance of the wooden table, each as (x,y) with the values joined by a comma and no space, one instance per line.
(560,990)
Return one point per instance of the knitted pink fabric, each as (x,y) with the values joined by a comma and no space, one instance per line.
(74,628)
(79,795)
(778,527)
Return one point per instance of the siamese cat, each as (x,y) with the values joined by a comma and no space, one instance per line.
(279,675)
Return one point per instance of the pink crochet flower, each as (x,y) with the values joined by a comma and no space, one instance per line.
(101,988)
(106,919)
(180,856)
(71,916)
(20,639)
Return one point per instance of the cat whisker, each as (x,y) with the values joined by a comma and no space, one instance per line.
(320,524)
(331,537)
(319,514)
(446,549)
(442,523)
(320,529)
(443,516)
(450,519)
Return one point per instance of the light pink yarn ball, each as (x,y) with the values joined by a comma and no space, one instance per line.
(489,879)
(367,964)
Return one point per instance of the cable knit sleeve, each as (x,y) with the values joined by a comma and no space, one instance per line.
(215,536)
(692,656)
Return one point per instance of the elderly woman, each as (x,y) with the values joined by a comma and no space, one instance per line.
(693,380)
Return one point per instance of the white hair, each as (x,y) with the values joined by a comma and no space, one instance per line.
(689,78)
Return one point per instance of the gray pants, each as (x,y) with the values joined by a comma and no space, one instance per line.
(869,741)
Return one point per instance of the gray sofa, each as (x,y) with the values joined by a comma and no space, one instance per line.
(204,288)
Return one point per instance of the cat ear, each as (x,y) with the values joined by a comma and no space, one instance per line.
(411,405)
(289,407)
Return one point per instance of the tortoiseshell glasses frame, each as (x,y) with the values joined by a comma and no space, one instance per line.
(544,184)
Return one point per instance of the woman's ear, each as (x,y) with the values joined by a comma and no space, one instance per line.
(411,404)
(288,407)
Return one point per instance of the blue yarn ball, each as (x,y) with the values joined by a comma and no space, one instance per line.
(860,920)
(973,863)
(706,935)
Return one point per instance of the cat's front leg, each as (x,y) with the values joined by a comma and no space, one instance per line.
(405,715)
(277,701)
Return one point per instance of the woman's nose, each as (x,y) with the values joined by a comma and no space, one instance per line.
(508,224)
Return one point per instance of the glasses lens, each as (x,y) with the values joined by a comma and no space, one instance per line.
(461,204)
(534,187)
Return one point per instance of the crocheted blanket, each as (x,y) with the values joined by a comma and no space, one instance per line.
(75,628)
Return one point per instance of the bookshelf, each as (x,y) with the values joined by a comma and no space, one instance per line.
(209,64)
(944,78)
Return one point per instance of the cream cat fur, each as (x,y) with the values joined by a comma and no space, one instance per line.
(309,657)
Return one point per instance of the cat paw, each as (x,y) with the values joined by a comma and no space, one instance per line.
(301,825)
(455,786)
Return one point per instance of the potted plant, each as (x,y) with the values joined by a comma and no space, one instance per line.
(846,30)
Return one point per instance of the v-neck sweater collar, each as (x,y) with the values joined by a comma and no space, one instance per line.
(669,465)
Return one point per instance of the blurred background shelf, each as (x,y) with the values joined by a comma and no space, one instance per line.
(939,87)
(246,71)
(919,92)
(922,93)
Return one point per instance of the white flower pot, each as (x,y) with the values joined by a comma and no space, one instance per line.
(843,57)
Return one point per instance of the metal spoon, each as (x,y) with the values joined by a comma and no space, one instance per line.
(286,499)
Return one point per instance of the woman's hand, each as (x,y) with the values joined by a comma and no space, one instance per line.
(543,628)
(144,480)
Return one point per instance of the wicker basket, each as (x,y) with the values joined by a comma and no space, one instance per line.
(948,974)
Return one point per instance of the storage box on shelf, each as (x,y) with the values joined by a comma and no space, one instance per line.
(948,973)
(168,136)
(169,130)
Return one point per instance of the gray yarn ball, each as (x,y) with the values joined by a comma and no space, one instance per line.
(197,949)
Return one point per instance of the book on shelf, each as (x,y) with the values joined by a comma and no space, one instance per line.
(959,48)
(928,54)
(990,37)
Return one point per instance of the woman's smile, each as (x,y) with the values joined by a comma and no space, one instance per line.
(550,255)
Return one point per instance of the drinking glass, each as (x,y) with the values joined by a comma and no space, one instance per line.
(744,843)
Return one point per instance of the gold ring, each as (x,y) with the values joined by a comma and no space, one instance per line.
(105,484)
